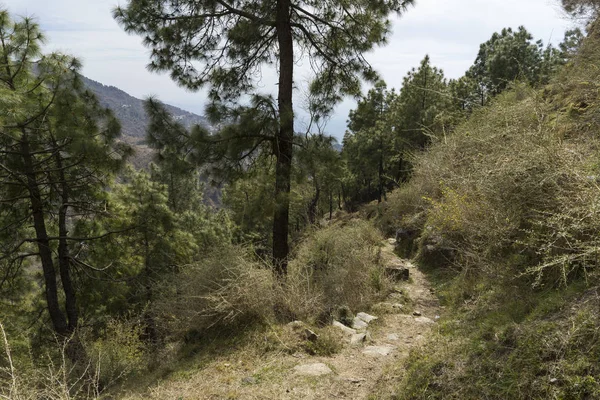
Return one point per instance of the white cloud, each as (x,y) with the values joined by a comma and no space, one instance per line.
(450,31)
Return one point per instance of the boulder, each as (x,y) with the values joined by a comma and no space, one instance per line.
(346,330)
(303,331)
(359,324)
(359,338)
(366,317)
(424,320)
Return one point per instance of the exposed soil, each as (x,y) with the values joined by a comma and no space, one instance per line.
(355,374)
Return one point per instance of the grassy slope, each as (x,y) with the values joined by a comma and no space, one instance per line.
(507,214)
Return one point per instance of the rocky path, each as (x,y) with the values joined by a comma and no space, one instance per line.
(357,371)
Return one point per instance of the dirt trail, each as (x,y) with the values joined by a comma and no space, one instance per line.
(354,375)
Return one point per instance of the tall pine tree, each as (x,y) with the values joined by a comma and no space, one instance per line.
(57,154)
(225,43)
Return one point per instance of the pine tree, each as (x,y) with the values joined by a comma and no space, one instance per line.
(369,141)
(423,98)
(507,56)
(224,44)
(57,154)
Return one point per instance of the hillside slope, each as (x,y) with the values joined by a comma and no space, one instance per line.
(504,217)
(130,111)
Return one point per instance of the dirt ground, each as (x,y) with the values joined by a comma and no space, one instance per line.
(355,375)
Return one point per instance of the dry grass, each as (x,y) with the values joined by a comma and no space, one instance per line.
(225,289)
(334,267)
(506,183)
(510,203)
(58,379)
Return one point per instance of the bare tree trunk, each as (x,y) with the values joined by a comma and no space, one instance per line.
(284,139)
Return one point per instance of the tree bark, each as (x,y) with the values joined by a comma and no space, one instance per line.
(284,138)
(64,263)
(57,317)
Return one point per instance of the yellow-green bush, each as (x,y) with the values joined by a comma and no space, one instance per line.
(503,184)
(545,350)
(335,266)
(118,353)
(512,204)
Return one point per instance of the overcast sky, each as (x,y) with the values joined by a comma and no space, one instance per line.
(450,31)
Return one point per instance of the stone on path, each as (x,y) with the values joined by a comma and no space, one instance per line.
(424,320)
(249,380)
(359,339)
(344,328)
(303,331)
(317,369)
(359,324)
(378,351)
(417,313)
(366,317)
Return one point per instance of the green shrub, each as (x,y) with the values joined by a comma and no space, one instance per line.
(118,353)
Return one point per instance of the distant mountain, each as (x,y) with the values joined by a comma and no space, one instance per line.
(130,111)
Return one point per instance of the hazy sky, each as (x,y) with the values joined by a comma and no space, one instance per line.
(450,31)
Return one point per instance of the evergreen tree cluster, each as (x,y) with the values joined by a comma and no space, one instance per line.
(389,127)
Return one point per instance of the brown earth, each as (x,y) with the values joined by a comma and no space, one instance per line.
(355,375)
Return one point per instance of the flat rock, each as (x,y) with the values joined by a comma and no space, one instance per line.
(359,324)
(358,339)
(424,320)
(366,317)
(317,369)
(392,337)
(378,351)
(347,330)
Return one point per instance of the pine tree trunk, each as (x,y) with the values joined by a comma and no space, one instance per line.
(64,262)
(284,138)
(57,317)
